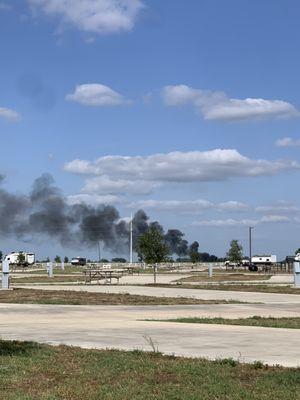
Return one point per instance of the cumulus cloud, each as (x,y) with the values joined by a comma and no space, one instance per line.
(8,114)
(147,172)
(287,142)
(93,200)
(282,207)
(274,218)
(226,222)
(242,222)
(96,95)
(188,206)
(215,105)
(94,16)
(104,184)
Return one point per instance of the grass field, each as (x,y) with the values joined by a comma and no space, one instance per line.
(46,279)
(68,270)
(224,277)
(35,296)
(243,287)
(29,371)
(269,322)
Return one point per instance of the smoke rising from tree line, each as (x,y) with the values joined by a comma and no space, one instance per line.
(46,212)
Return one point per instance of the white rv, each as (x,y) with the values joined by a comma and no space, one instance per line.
(13,258)
(264,260)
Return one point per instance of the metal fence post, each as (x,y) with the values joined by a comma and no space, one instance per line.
(5,274)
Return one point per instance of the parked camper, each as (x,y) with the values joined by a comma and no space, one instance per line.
(264,260)
(78,261)
(26,259)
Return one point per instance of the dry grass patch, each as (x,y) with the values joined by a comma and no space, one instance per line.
(268,322)
(224,277)
(46,279)
(37,296)
(243,287)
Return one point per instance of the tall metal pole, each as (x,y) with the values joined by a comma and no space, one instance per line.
(131,244)
(99,250)
(250,244)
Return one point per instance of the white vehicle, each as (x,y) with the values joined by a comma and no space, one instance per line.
(78,261)
(264,260)
(13,258)
(245,262)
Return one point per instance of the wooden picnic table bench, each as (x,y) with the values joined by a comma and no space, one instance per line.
(102,274)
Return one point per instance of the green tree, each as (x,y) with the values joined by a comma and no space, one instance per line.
(57,259)
(66,259)
(235,252)
(151,246)
(21,258)
(194,252)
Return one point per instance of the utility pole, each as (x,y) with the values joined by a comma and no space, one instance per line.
(250,244)
(131,244)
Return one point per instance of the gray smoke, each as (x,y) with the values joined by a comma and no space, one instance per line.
(176,243)
(45,212)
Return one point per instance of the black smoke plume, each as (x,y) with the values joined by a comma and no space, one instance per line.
(46,213)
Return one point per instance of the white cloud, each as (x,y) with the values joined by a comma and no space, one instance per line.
(282,208)
(188,206)
(275,218)
(173,205)
(93,200)
(96,95)
(103,184)
(242,222)
(96,16)
(180,167)
(287,142)
(233,206)
(10,115)
(226,222)
(215,105)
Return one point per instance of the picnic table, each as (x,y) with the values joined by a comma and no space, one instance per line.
(102,274)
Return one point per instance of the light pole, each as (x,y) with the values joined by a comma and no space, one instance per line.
(250,244)
(130,244)
(99,250)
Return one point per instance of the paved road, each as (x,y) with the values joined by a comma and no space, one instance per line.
(178,292)
(123,327)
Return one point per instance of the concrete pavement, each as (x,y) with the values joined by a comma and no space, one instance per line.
(251,297)
(122,327)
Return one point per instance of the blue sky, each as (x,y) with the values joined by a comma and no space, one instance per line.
(83,80)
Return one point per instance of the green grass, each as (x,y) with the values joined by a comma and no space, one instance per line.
(29,371)
(72,297)
(269,322)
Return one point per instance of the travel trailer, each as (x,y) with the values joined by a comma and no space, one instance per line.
(14,259)
(264,260)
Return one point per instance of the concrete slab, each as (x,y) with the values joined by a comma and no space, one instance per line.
(268,298)
(122,327)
